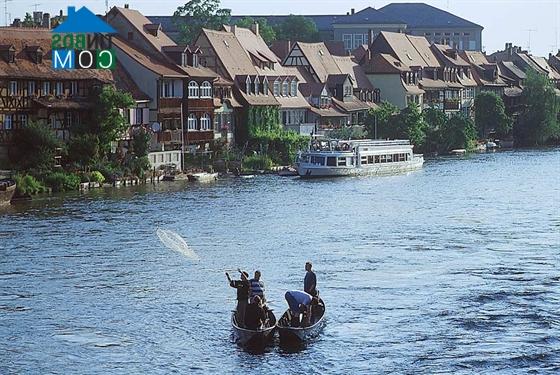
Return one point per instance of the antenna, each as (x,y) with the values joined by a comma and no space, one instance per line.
(36,6)
(529,42)
(106,6)
(6,11)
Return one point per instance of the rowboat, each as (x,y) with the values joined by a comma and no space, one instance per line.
(7,190)
(301,334)
(254,338)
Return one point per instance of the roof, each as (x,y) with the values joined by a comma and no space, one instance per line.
(320,59)
(383,63)
(351,106)
(360,52)
(336,47)
(449,55)
(151,62)
(369,15)
(513,69)
(474,57)
(311,89)
(25,67)
(420,15)
(55,103)
(427,83)
(337,79)
(541,61)
(327,112)
(253,44)
(513,91)
(348,65)
(292,101)
(230,52)
(83,21)
(139,22)
(410,50)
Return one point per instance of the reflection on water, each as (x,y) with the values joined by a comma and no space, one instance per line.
(450,269)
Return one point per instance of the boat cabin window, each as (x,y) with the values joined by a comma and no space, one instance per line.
(341,162)
(318,160)
(331,161)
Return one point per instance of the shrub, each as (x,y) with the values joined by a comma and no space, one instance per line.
(34,147)
(139,166)
(110,173)
(83,149)
(96,176)
(61,181)
(257,162)
(28,184)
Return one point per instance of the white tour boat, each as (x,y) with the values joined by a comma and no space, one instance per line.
(357,157)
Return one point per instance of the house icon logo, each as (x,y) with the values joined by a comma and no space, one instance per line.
(83,41)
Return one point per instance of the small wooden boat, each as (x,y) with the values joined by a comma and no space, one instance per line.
(300,334)
(7,190)
(202,177)
(254,338)
(287,172)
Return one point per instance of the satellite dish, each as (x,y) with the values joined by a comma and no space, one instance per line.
(156,127)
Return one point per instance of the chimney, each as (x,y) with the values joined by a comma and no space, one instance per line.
(46,21)
(371,36)
(255,28)
(61,14)
(17,22)
(126,6)
(37,18)
(352,11)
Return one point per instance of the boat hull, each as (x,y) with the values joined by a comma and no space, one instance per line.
(310,171)
(299,335)
(7,191)
(253,338)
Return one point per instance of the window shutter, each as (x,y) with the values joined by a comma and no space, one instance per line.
(146,116)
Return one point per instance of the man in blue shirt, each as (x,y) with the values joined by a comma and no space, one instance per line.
(310,281)
(257,287)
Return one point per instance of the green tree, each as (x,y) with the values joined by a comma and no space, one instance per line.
(265,30)
(83,149)
(538,123)
(34,147)
(380,118)
(414,125)
(490,115)
(458,132)
(197,14)
(435,121)
(141,142)
(297,28)
(28,21)
(108,122)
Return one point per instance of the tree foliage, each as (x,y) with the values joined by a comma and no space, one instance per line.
(197,14)
(380,118)
(28,21)
(108,122)
(538,123)
(141,142)
(297,28)
(265,30)
(34,147)
(83,149)
(490,115)
(458,132)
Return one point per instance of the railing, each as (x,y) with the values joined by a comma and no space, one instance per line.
(174,136)
(302,129)
(452,105)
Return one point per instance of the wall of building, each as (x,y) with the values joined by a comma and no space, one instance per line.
(391,87)
(357,35)
(461,38)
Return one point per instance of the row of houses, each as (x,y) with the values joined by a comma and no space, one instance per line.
(195,95)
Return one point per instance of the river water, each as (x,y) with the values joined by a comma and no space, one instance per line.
(452,269)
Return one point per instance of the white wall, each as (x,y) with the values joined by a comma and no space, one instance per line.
(391,88)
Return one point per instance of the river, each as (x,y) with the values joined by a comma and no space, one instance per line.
(451,269)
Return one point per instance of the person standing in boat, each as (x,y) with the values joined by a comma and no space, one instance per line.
(242,287)
(310,281)
(257,287)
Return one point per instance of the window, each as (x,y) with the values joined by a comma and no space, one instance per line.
(276,88)
(205,122)
(347,90)
(195,60)
(13,88)
(358,40)
(46,88)
(58,89)
(257,88)
(285,88)
(22,120)
(341,162)
(193,89)
(206,90)
(167,89)
(192,122)
(184,59)
(331,161)
(248,85)
(11,57)
(8,122)
(30,88)
(73,88)
(318,160)
(39,57)
(294,88)
(347,40)
(265,86)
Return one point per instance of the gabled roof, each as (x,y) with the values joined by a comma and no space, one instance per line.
(474,57)
(449,55)
(348,65)
(423,47)
(369,15)
(410,50)
(320,59)
(420,15)
(83,21)
(383,63)
(312,89)
(230,52)
(543,64)
(513,69)
(337,79)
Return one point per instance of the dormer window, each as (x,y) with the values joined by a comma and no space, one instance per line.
(152,28)
(285,88)
(248,85)
(276,88)
(257,92)
(8,52)
(195,60)
(294,88)
(265,86)
(184,59)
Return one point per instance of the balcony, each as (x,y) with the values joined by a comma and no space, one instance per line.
(451,105)
(174,136)
(302,129)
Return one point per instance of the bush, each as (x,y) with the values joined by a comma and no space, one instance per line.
(139,166)
(61,181)
(34,147)
(257,162)
(28,185)
(96,176)
(83,149)
(109,172)
(282,147)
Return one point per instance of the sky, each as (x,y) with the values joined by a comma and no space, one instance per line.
(525,23)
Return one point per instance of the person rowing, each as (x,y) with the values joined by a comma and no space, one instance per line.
(242,287)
